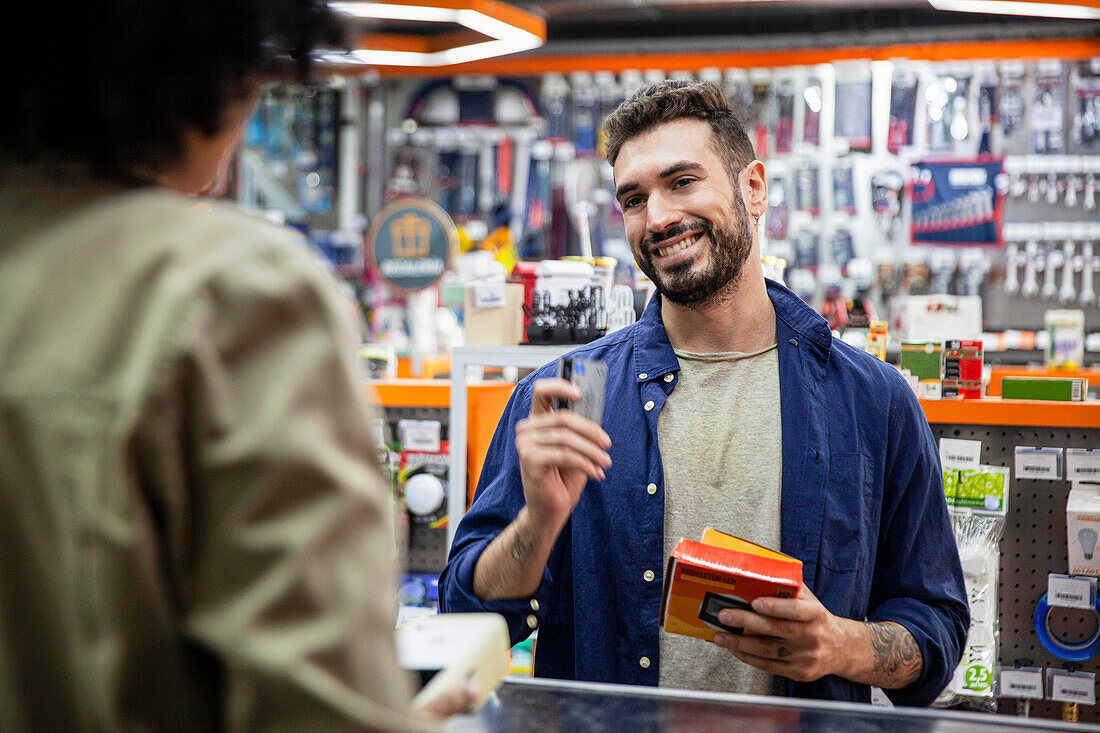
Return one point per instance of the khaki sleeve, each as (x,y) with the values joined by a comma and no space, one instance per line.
(287,571)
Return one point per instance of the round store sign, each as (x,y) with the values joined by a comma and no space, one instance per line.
(412,240)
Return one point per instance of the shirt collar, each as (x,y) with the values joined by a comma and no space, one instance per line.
(653,355)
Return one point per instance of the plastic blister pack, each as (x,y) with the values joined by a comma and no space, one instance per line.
(973,685)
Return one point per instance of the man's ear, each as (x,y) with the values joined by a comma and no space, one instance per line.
(754,188)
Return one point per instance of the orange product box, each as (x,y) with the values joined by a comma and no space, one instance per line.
(721,571)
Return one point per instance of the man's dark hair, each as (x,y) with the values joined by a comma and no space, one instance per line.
(669,100)
(115,83)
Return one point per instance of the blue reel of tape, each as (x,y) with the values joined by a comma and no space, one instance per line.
(1059,647)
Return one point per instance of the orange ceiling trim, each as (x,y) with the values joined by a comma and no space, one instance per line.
(532,65)
(417,44)
(497,9)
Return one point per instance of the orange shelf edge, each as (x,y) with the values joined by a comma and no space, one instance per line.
(528,64)
(995,411)
(998,373)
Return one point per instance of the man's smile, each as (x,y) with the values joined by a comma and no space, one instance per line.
(678,246)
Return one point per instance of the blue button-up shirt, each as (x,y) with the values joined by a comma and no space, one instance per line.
(862,506)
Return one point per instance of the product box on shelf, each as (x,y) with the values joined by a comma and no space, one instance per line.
(1083,529)
(923,359)
(962,369)
(719,572)
(1061,389)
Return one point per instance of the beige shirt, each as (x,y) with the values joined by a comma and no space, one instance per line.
(721,445)
(194,532)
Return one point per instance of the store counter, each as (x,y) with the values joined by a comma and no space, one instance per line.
(522,705)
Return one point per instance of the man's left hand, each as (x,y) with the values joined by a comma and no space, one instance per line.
(793,637)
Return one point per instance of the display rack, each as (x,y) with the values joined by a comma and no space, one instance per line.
(1034,541)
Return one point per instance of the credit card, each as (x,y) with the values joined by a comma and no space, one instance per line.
(590,377)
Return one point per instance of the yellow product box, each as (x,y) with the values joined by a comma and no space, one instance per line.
(721,571)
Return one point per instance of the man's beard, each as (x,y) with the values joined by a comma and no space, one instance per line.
(729,250)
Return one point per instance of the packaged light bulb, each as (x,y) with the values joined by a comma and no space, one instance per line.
(1083,530)
(978,538)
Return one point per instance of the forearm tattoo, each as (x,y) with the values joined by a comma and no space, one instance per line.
(520,549)
(897,656)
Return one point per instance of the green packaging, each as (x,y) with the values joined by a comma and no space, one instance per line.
(1062,389)
(923,359)
(984,488)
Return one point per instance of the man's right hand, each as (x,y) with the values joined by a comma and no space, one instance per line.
(558,452)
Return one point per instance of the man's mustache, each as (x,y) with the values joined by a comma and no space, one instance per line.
(674,231)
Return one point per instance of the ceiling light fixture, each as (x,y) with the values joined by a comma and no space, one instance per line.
(1082,10)
(509,29)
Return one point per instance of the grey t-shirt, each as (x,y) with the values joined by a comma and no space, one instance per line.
(721,444)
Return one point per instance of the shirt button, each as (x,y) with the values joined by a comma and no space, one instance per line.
(648,575)
(643,375)
(669,377)
(644,662)
(652,489)
(649,406)
(532,621)
(534,605)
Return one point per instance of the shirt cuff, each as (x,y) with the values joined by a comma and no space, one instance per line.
(936,644)
(523,615)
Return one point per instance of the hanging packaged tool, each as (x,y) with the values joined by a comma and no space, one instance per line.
(1048,108)
(844,191)
(775,223)
(903,107)
(585,110)
(813,99)
(807,197)
(1085,86)
(762,113)
(853,107)
(740,94)
(554,95)
(957,202)
(1011,105)
(784,123)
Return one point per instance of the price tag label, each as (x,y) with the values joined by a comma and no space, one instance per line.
(956,453)
(1068,592)
(1077,687)
(419,435)
(1083,465)
(1025,683)
(489,295)
(1040,464)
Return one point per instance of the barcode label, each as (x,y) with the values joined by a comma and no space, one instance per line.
(1041,463)
(1069,592)
(1078,687)
(955,453)
(1022,683)
(1082,464)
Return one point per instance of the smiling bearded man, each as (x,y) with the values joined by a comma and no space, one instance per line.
(572,521)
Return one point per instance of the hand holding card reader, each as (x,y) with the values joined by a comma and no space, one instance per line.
(713,603)
(590,377)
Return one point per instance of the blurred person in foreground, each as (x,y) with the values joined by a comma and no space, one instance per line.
(194,532)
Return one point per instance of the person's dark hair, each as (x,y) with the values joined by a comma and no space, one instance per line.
(119,81)
(669,100)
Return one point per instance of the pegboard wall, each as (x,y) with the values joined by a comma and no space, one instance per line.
(426,550)
(1033,546)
